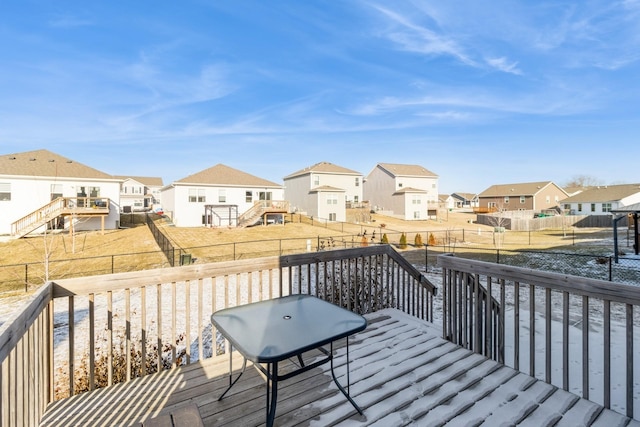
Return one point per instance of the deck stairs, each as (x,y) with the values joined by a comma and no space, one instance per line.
(260,209)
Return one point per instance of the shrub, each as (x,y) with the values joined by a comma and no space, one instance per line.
(364,241)
(418,240)
(403,241)
(384,239)
(432,240)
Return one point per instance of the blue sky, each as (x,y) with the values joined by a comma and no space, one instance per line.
(477,92)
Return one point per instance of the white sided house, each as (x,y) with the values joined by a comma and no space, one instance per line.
(223,196)
(602,200)
(409,192)
(139,193)
(41,189)
(324,190)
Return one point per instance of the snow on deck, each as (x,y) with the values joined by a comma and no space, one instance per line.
(401,373)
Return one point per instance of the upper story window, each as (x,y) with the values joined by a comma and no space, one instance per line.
(196,195)
(222,196)
(506,200)
(316,180)
(248,196)
(548,199)
(399,185)
(416,200)
(5,191)
(522,199)
(332,199)
(357,182)
(56,191)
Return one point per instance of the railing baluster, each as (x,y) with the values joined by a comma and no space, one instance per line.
(200,314)
(607,354)
(516,326)
(187,299)
(159,325)
(547,335)
(70,362)
(532,333)
(173,324)
(127,332)
(565,341)
(585,347)
(92,342)
(629,355)
(109,338)
(143,330)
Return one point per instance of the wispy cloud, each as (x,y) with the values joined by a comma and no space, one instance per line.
(416,38)
(503,64)
(70,21)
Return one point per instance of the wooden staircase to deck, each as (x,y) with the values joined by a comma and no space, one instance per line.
(260,210)
(62,206)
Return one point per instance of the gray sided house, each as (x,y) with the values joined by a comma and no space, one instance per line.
(409,192)
(528,196)
(602,200)
(324,190)
(465,200)
(222,196)
(42,190)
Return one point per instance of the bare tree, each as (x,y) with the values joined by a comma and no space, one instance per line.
(583,181)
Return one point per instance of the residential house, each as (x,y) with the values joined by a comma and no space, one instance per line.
(324,190)
(139,193)
(446,201)
(409,192)
(602,199)
(218,196)
(40,188)
(465,200)
(530,196)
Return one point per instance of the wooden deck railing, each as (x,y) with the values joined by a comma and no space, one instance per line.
(84,333)
(57,207)
(573,332)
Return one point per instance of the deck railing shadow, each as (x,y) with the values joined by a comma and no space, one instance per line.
(576,333)
(162,316)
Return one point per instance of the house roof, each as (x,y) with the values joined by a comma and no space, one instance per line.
(405,190)
(324,167)
(520,189)
(224,175)
(628,209)
(154,181)
(324,188)
(464,196)
(605,193)
(44,163)
(406,170)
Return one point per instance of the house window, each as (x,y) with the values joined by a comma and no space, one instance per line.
(522,200)
(332,217)
(355,199)
(548,199)
(265,195)
(606,207)
(593,207)
(222,196)
(56,191)
(415,199)
(332,199)
(5,191)
(248,196)
(416,214)
(506,200)
(316,180)
(399,185)
(357,182)
(579,207)
(196,195)
(567,207)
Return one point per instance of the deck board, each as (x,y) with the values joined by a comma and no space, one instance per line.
(401,373)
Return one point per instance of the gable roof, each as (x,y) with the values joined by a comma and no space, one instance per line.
(520,189)
(224,175)
(325,188)
(464,196)
(44,163)
(323,167)
(397,170)
(606,193)
(146,180)
(406,190)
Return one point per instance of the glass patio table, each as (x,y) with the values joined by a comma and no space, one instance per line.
(269,332)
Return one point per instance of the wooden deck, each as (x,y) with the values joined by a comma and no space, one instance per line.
(401,373)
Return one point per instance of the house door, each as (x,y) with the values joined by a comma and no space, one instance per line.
(265,195)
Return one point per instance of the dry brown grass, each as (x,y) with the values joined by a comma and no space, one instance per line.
(94,253)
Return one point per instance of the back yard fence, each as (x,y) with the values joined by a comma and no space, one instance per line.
(420,248)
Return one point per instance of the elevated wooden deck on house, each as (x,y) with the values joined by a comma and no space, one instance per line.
(401,370)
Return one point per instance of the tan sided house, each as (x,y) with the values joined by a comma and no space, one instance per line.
(602,199)
(528,196)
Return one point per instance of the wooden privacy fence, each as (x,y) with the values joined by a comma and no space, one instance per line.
(84,333)
(573,332)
